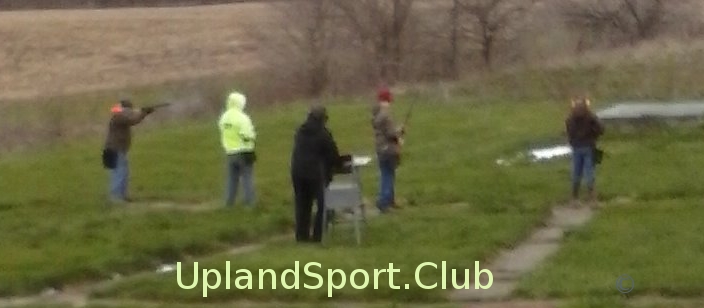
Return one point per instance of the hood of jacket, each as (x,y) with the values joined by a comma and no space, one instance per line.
(315,123)
(236,101)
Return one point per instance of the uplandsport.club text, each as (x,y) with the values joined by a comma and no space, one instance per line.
(331,279)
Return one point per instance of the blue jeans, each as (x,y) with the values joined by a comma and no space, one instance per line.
(583,166)
(119,177)
(387,168)
(238,168)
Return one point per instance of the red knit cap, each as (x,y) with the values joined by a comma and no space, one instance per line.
(384,95)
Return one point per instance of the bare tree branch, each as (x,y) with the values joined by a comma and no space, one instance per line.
(380,26)
(305,39)
(491,20)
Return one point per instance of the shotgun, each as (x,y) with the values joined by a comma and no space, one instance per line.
(157,106)
(405,122)
(408,114)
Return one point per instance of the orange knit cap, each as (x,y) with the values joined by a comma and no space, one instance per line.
(116,109)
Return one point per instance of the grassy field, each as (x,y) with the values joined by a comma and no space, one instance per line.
(452,147)
(456,234)
(656,243)
(65,188)
(462,207)
(649,231)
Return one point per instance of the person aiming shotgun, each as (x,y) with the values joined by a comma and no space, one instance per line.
(388,141)
(118,143)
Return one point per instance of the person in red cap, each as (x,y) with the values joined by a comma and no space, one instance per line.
(388,148)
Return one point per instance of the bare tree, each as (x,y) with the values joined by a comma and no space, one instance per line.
(647,16)
(454,38)
(491,20)
(380,26)
(619,20)
(304,42)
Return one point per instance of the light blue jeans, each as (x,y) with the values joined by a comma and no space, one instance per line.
(119,177)
(238,168)
(583,166)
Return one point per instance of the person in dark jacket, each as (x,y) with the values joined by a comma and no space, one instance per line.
(118,143)
(315,156)
(583,131)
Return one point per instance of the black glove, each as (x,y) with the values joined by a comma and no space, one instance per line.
(148,110)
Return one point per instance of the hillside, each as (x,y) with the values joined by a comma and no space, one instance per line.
(50,53)
(91,4)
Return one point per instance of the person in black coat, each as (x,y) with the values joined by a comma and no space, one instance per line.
(314,159)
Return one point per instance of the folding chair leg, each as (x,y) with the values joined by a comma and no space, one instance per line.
(325,227)
(328,221)
(357,232)
(331,225)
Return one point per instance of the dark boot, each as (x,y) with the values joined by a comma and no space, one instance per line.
(575,195)
(593,200)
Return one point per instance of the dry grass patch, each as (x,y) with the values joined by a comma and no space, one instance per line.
(59,52)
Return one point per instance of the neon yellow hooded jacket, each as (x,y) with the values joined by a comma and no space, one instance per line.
(236,128)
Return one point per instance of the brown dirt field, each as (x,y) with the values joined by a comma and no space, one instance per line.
(60,52)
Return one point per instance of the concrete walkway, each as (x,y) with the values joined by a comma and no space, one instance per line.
(512,264)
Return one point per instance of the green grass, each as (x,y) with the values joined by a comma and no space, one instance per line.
(651,238)
(448,160)
(58,229)
(55,199)
(624,302)
(650,230)
(457,235)
(657,243)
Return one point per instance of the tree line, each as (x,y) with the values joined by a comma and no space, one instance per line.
(332,45)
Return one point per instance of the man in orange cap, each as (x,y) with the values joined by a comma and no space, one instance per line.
(117,145)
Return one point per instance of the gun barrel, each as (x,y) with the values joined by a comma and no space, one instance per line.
(408,114)
(159,105)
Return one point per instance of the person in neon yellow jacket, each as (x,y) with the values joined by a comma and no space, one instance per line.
(238,137)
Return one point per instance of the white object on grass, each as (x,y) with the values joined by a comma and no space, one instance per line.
(503,162)
(361,160)
(551,152)
(166,268)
